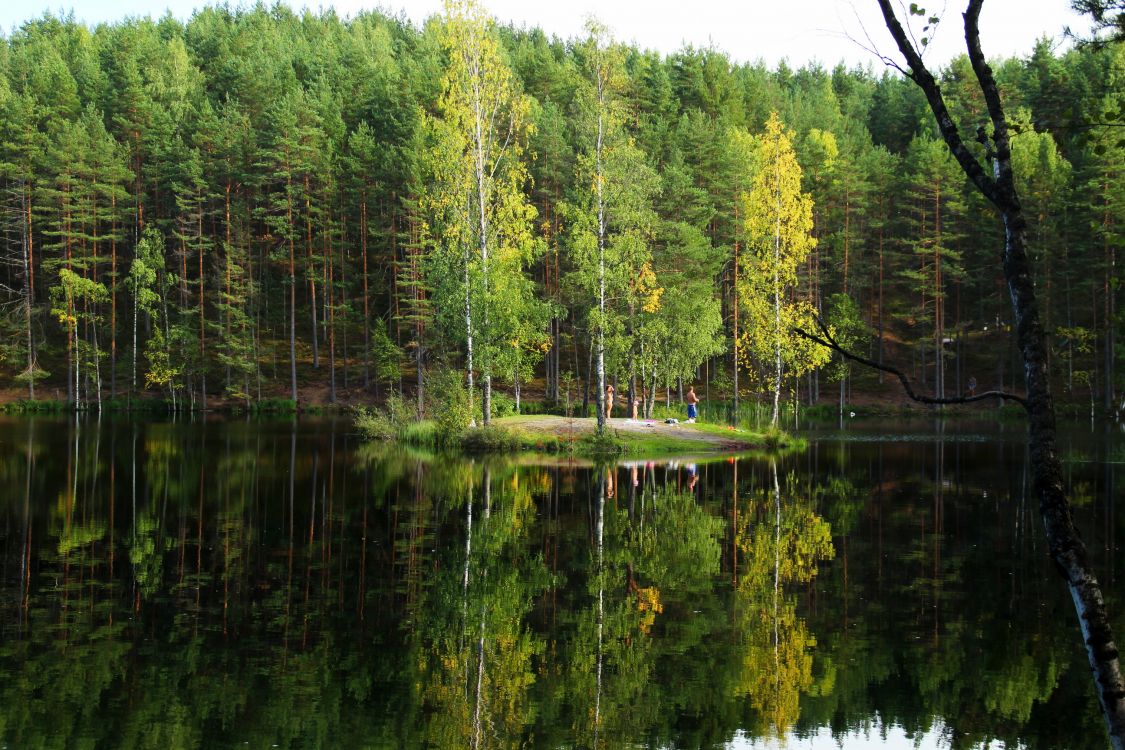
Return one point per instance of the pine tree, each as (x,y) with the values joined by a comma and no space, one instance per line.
(937,204)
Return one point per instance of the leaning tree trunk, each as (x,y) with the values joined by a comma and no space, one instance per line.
(998,185)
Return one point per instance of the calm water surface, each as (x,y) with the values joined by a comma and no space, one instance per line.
(277,584)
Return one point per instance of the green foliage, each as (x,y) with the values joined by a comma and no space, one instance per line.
(491,439)
(848,329)
(503,405)
(778,233)
(480,217)
(387,423)
(387,356)
(602,444)
(448,405)
(34,406)
(373,424)
(270,199)
(274,406)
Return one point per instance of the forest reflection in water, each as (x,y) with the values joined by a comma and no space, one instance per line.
(277,583)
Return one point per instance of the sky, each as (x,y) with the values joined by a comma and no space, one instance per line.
(799,31)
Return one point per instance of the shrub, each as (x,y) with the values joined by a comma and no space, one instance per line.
(503,405)
(449,402)
(606,444)
(29,406)
(490,440)
(399,411)
(390,422)
(274,406)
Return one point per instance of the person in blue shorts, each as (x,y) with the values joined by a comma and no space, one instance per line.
(692,409)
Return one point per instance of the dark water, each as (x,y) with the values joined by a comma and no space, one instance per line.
(264,584)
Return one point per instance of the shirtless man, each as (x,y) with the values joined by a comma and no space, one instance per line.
(692,400)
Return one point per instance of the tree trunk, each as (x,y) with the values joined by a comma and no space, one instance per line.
(777,304)
(330,295)
(734,396)
(292,301)
(469,338)
(598,179)
(366,298)
(998,185)
(312,278)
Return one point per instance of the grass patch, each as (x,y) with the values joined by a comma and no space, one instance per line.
(148,405)
(35,406)
(274,406)
(422,434)
(563,436)
(490,440)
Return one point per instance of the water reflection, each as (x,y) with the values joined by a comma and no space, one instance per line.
(215,583)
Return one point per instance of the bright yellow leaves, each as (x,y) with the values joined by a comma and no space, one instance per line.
(778,231)
(646,289)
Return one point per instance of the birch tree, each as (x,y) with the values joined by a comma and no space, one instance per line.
(778,239)
(610,218)
(994,178)
(485,126)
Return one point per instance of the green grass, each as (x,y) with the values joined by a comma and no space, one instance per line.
(35,406)
(633,443)
(517,434)
(274,406)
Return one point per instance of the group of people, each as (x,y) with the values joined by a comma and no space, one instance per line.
(690,397)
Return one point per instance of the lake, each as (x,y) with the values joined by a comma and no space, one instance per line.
(227,584)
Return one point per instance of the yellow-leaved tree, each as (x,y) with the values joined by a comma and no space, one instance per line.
(777,228)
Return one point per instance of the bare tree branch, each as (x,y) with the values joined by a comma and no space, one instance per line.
(921,75)
(871,47)
(826,340)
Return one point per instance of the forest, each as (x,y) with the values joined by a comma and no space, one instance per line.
(262,206)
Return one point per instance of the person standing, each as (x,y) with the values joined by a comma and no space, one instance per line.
(692,409)
(608,401)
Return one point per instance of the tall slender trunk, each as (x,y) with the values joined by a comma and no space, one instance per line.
(366,297)
(999,187)
(482,229)
(202,314)
(311,274)
(847,217)
(136,315)
(734,289)
(600,197)
(113,299)
(292,286)
(25,236)
(939,302)
(469,336)
(97,367)
(228,331)
(777,296)
(330,294)
(1110,315)
(880,319)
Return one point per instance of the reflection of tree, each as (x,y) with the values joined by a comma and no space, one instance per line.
(782,548)
(475,650)
(181,644)
(659,551)
(939,612)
